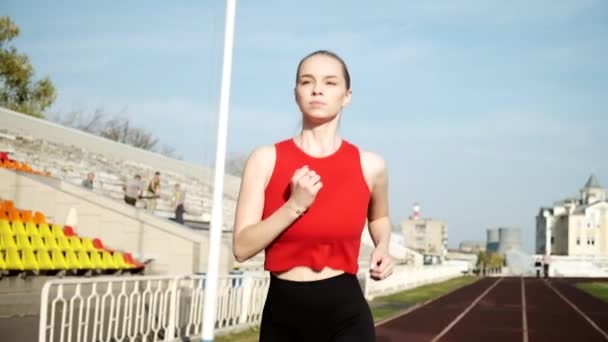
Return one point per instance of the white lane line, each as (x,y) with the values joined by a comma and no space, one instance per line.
(446,329)
(524,317)
(578,310)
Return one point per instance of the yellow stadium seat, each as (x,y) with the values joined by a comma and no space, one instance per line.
(5,228)
(37,243)
(44,260)
(29,260)
(72,260)
(6,242)
(97,261)
(31,229)
(44,230)
(2,262)
(119,260)
(57,230)
(64,243)
(59,260)
(87,245)
(75,243)
(23,242)
(18,228)
(108,261)
(51,243)
(13,260)
(85,261)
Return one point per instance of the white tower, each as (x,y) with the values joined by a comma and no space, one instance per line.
(416,213)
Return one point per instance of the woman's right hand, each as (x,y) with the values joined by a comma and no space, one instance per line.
(305,185)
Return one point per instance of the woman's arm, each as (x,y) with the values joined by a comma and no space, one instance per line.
(251,233)
(378,219)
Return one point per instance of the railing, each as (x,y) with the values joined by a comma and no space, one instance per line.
(164,308)
(149,308)
(408,277)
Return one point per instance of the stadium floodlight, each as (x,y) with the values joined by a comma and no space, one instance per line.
(215,231)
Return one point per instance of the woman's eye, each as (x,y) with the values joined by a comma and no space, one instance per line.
(331,83)
(304,82)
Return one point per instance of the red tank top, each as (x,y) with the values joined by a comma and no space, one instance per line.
(329,232)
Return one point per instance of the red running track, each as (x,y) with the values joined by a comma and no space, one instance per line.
(505,309)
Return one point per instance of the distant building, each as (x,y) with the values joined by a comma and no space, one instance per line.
(503,239)
(468,246)
(575,226)
(425,235)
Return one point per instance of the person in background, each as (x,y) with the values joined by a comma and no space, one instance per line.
(152,192)
(179,197)
(132,190)
(88,182)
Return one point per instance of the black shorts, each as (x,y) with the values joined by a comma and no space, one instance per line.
(328,310)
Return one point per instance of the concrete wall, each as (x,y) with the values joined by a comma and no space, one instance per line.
(40,128)
(175,249)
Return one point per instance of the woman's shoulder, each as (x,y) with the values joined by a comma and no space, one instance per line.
(372,162)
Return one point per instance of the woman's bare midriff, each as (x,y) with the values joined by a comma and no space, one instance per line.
(303,273)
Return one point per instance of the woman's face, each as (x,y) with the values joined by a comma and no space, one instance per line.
(321,88)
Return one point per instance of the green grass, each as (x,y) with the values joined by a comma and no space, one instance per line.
(596,289)
(250,335)
(388,306)
(382,307)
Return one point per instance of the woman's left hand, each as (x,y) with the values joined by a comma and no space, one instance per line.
(381,265)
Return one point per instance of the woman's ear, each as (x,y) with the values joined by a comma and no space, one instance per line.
(347,98)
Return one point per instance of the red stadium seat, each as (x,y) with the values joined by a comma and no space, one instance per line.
(68,231)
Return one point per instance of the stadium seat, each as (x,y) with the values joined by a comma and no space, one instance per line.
(85,261)
(14,215)
(68,231)
(44,261)
(98,244)
(51,243)
(64,243)
(7,241)
(108,261)
(13,260)
(87,245)
(57,230)
(2,263)
(59,260)
(8,205)
(75,243)
(72,260)
(37,243)
(39,218)
(44,230)
(26,216)
(23,242)
(5,228)
(119,260)
(3,215)
(31,229)
(129,259)
(30,263)
(97,261)
(18,228)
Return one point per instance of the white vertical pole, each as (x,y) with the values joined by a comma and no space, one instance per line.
(215,231)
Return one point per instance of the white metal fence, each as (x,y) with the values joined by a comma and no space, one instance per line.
(151,308)
(164,308)
(408,277)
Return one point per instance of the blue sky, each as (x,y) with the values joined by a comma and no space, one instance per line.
(484,110)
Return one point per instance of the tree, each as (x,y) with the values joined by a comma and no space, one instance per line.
(117,128)
(18,91)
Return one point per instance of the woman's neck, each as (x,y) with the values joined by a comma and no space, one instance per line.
(318,143)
